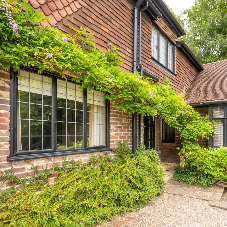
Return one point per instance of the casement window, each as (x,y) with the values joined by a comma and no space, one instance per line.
(168,133)
(163,50)
(218,114)
(54,116)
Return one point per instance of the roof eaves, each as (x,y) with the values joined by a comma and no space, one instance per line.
(169,17)
(188,53)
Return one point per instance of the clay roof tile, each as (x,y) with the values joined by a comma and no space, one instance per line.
(57,15)
(41,2)
(62,12)
(64,2)
(46,10)
(68,10)
(52,21)
(52,6)
(73,7)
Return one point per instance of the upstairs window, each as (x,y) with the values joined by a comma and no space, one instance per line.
(163,50)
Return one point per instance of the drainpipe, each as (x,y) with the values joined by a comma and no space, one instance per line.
(140,64)
(135,31)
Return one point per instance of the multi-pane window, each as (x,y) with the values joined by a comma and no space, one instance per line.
(41,99)
(168,133)
(218,114)
(162,50)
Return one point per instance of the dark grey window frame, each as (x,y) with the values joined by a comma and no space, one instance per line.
(174,52)
(211,139)
(166,141)
(15,156)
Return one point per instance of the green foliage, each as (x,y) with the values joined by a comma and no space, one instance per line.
(85,194)
(192,176)
(202,166)
(206,30)
(94,69)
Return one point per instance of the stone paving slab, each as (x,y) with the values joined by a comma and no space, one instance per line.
(198,192)
(218,204)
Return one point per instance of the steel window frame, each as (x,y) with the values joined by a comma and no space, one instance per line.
(18,156)
(167,59)
(167,141)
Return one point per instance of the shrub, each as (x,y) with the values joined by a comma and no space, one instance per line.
(202,166)
(86,194)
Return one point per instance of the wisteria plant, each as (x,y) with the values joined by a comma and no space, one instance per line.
(24,42)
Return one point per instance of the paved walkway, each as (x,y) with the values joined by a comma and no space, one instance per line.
(180,205)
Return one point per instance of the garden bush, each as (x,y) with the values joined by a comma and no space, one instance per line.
(202,166)
(84,194)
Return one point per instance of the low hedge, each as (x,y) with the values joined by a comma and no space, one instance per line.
(202,166)
(84,194)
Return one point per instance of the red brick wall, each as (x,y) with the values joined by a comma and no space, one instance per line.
(4,117)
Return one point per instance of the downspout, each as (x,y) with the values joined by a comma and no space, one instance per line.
(135,30)
(140,64)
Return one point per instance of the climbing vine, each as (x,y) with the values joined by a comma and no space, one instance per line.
(24,42)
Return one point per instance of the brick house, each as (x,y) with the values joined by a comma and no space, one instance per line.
(146,33)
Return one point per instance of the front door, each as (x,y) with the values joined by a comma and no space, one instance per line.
(149,132)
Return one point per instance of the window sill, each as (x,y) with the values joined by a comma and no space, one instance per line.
(21,157)
(164,68)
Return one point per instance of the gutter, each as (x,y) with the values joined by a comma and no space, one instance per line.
(209,103)
(169,17)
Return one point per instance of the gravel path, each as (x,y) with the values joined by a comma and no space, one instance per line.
(176,211)
(179,206)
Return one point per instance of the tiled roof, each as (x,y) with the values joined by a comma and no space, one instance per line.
(55,9)
(210,84)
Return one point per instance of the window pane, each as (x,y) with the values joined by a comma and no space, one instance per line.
(24,144)
(36,143)
(36,128)
(23,127)
(23,110)
(218,133)
(47,142)
(36,111)
(47,128)
(163,50)
(154,43)
(168,133)
(218,111)
(70,142)
(170,56)
(61,142)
